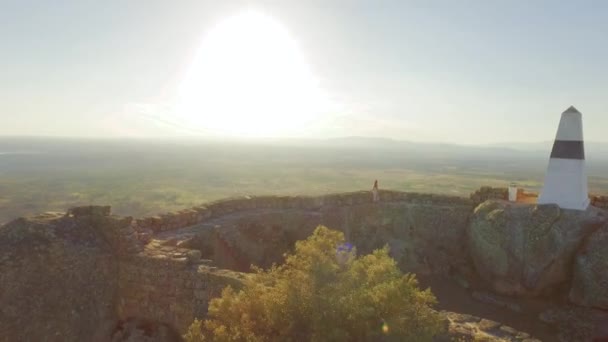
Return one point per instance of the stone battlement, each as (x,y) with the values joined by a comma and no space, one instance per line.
(215,209)
(212,210)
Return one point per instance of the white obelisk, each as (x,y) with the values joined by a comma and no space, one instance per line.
(566,178)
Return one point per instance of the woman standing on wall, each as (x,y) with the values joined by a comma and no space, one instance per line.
(375,196)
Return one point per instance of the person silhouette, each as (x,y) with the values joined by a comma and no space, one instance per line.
(375,195)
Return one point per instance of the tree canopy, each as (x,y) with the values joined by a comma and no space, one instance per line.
(323,292)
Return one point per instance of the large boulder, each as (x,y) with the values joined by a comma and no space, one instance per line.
(58,279)
(590,278)
(526,249)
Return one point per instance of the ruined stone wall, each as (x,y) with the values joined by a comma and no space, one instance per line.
(213,210)
(64,274)
(58,277)
(280,221)
(424,232)
(170,287)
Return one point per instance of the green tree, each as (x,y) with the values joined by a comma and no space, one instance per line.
(322,293)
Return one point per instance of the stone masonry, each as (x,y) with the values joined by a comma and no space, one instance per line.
(65,274)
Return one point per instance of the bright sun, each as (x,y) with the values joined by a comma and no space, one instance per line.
(249,78)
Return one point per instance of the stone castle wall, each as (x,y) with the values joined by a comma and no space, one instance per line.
(58,276)
(170,287)
(164,283)
(124,273)
(203,213)
(64,276)
(200,214)
(67,273)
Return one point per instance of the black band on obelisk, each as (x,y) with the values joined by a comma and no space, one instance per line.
(566,149)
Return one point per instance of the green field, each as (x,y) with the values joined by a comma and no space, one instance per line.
(148,177)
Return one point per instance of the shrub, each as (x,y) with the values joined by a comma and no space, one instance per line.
(323,293)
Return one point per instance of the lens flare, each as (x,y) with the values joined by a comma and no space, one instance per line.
(385,328)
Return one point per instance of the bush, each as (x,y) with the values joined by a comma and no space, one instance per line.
(323,293)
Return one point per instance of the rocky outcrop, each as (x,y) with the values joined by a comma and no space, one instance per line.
(575,323)
(169,285)
(590,278)
(424,237)
(64,276)
(523,249)
(461,327)
(58,276)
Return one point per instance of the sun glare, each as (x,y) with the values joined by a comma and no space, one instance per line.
(249,78)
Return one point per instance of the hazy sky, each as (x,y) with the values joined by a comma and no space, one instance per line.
(451,71)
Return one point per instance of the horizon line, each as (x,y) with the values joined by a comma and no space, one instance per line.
(271,139)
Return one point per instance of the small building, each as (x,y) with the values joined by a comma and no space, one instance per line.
(566,177)
(513,192)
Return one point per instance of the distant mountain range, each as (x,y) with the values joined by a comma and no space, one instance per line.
(594,150)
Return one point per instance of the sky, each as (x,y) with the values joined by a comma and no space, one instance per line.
(467,72)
